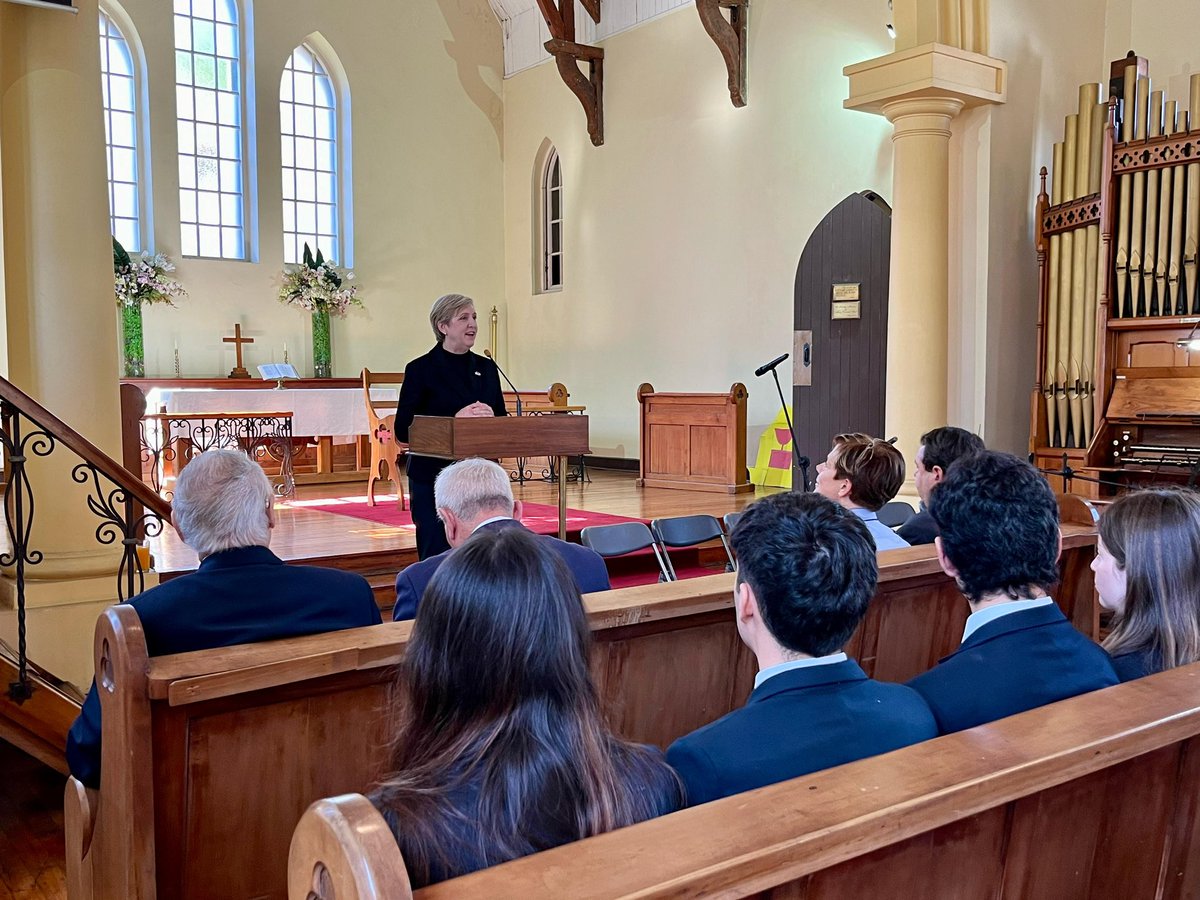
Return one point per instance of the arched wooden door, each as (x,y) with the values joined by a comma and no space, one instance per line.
(840,341)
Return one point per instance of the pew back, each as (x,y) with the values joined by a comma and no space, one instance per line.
(210,758)
(1091,798)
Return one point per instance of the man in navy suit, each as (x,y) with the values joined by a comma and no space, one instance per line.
(806,572)
(939,448)
(241,593)
(998,537)
(474,494)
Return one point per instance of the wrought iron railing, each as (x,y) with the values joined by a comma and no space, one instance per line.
(127,509)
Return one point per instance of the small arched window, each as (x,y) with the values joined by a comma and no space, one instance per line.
(552,223)
(308,124)
(119,80)
(209,73)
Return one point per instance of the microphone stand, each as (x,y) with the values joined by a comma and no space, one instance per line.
(803,462)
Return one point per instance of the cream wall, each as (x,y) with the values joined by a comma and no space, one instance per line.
(683,232)
(425,83)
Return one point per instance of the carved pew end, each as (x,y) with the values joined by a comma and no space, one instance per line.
(342,849)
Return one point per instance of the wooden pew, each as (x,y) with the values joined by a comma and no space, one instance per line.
(1094,797)
(209,758)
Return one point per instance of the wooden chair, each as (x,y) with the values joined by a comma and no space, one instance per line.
(385,449)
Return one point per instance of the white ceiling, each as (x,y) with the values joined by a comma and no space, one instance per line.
(525,30)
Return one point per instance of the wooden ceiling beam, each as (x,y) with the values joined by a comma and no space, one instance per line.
(568,54)
(730,37)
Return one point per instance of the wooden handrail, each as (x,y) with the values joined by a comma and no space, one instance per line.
(84,449)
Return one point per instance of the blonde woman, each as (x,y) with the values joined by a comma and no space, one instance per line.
(449,380)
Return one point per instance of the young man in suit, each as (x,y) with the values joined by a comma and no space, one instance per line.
(806,572)
(998,537)
(939,448)
(241,593)
(475,494)
(861,474)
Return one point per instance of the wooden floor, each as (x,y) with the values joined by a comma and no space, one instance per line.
(31,829)
(304,532)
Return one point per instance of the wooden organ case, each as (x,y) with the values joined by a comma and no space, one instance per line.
(1117,398)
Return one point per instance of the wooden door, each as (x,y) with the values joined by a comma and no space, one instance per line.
(840,364)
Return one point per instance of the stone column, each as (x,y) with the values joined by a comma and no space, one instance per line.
(918,284)
(920,90)
(59,315)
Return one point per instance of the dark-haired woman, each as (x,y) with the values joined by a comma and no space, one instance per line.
(1147,569)
(502,751)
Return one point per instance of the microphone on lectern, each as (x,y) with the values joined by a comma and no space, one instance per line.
(488,354)
(764,369)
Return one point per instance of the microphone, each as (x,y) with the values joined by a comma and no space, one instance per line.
(764,369)
(488,354)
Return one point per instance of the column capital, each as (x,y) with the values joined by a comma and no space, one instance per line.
(922,115)
(931,71)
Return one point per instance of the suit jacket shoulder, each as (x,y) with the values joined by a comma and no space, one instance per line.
(1018,662)
(920,529)
(797,722)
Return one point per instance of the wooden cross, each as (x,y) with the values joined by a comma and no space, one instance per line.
(237,340)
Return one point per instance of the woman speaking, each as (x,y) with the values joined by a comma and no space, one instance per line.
(449,380)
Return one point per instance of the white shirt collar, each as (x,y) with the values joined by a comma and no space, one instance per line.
(772,671)
(490,521)
(977,620)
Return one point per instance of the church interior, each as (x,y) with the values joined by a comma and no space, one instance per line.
(646,200)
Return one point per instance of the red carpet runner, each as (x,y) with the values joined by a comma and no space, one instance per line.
(538,517)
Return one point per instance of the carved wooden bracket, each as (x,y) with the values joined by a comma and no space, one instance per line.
(568,54)
(730,37)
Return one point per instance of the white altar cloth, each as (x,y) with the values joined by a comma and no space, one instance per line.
(333,412)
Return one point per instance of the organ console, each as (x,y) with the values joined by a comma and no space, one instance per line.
(1117,397)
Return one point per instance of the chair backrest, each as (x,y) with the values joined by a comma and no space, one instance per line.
(374,405)
(688,531)
(623,538)
(896,513)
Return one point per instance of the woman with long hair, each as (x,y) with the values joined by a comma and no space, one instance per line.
(502,750)
(1147,569)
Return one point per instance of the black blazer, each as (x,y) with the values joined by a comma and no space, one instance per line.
(440,384)
(920,529)
(1020,661)
(235,597)
(1136,664)
(449,844)
(585,564)
(797,722)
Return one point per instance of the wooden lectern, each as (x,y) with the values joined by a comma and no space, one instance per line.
(448,437)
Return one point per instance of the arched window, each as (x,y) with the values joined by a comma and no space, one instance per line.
(208,94)
(308,123)
(552,224)
(119,77)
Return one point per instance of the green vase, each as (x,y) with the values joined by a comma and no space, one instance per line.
(133,352)
(322,353)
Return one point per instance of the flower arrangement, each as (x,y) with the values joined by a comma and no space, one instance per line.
(316,285)
(144,280)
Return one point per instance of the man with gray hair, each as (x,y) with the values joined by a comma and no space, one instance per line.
(241,593)
(476,494)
